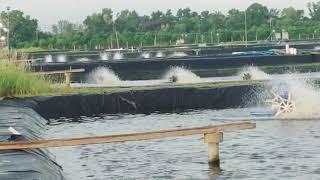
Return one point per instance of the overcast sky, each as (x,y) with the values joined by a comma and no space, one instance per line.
(49,12)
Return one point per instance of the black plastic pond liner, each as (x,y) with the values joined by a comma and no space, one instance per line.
(36,164)
(164,100)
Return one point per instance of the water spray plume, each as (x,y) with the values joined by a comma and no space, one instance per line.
(104,56)
(181,75)
(48,58)
(146,55)
(253,73)
(61,58)
(303,98)
(160,54)
(118,56)
(103,76)
(179,54)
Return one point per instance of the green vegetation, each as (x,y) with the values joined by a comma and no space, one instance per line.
(15,80)
(100,29)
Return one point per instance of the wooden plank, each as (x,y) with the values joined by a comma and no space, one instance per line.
(125,137)
(61,72)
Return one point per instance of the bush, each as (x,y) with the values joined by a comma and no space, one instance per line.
(16,80)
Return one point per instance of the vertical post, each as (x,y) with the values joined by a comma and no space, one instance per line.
(213,140)
(211,37)
(117,40)
(155,39)
(245,27)
(68,77)
(111,42)
(8,34)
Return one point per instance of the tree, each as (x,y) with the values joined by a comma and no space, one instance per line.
(314,10)
(257,14)
(22,27)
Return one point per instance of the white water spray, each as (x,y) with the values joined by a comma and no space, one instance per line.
(61,58)
(48,58)
(305,96)
(104,56)
(179,54)
(254,72)
(118,56)
(103,76)
(182,75)
(300,92)
(146,55)
(160,54)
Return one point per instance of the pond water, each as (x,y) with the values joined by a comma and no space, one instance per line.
(276,149)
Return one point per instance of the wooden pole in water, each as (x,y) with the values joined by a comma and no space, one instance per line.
(213,140)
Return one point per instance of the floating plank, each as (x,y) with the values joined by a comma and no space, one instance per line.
(125,137)
(61,71)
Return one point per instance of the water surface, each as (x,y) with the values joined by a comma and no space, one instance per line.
(276,149)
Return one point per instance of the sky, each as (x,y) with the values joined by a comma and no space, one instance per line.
(49,12)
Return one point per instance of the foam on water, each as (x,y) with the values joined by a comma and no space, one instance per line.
(182,75)
(103,76)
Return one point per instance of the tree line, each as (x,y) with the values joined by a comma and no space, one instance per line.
(127,28)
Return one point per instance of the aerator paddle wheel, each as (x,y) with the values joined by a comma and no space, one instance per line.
(282,105)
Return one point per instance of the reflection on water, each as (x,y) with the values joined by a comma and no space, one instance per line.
(276,149)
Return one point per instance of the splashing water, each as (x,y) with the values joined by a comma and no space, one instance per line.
(118,56)
(254,72)
(302,92)
(146,55)
(48,58)
(179,54)
(160,54)
(181,75)
(103,76)
(104,56)
(305,96)
(61,58)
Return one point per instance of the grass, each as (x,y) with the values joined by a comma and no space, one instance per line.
(16,80)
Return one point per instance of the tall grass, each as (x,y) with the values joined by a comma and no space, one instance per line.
(16,80)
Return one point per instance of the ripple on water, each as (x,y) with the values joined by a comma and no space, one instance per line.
(277,149)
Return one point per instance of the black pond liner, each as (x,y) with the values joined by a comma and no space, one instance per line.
(26,164)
